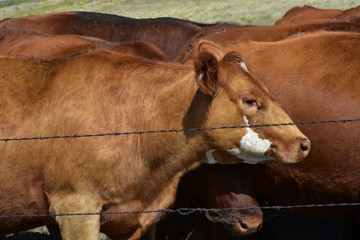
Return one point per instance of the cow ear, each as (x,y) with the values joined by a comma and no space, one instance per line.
(206,67)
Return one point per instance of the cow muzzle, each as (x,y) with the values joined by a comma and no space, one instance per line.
(293,152)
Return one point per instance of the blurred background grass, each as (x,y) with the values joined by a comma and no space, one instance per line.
(258,12)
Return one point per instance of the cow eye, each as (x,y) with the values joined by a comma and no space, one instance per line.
(250,102)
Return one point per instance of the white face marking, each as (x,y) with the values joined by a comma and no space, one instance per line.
(252,148)
(243,65)
(210,157)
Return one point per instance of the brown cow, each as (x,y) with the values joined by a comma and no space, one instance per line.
(105,92)
(315,77)
(309,13)
(227,34)
(306,13)
(39,45)
(267,33)
(169,34)
(216,187)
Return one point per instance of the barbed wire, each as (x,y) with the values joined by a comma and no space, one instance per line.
(187,211)
(176,130)
(182,211)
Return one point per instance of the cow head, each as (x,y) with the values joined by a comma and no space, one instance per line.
(236,99)
(247,218)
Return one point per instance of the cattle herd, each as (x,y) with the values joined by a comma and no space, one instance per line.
(107,114)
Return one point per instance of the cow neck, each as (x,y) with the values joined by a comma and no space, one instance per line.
(180,105)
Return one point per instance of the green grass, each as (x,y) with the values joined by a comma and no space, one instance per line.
(260,12)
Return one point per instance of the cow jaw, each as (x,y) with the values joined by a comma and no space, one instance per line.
(252,149)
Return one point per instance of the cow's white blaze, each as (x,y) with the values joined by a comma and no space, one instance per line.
(252,149)
(210,157)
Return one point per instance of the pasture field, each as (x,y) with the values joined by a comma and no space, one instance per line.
(258,12)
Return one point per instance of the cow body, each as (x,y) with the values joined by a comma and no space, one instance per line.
(309,13)
(224,34)
(319,86)
(177,38)
(169,34)
(103,92)
(306,13)
(315,77)
(57,46)
(227,35)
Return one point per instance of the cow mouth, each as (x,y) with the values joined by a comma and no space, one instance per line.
(237,226)
(241,228)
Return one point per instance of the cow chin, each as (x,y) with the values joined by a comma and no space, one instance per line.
(244,228)
(250,158)
(234,156)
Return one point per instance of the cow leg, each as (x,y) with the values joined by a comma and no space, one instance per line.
(77,227)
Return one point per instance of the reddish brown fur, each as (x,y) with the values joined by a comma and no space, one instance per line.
(224,34)
(306,13)
(352,14)
(102,92)
(309,13)
(227,34)
(315,77)
(168,34)
(40,45)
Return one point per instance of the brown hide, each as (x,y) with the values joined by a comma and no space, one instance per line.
(101,92)
(320,83)
(225,34)
(168,34)
(315,77)
(306,13)
(215,186)
(309,13)
(177,38)
(38,45)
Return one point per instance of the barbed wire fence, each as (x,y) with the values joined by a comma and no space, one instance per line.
(182,211)
(177,130)
(186,211)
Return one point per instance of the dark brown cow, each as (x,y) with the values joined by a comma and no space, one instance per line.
(169,34)
(309,13)
(315,77)
(216,187)
(103,92)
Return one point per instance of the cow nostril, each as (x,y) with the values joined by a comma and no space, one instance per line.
(305,147)
(243,225)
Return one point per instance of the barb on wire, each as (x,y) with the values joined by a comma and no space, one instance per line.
(187,211)
(176,130)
